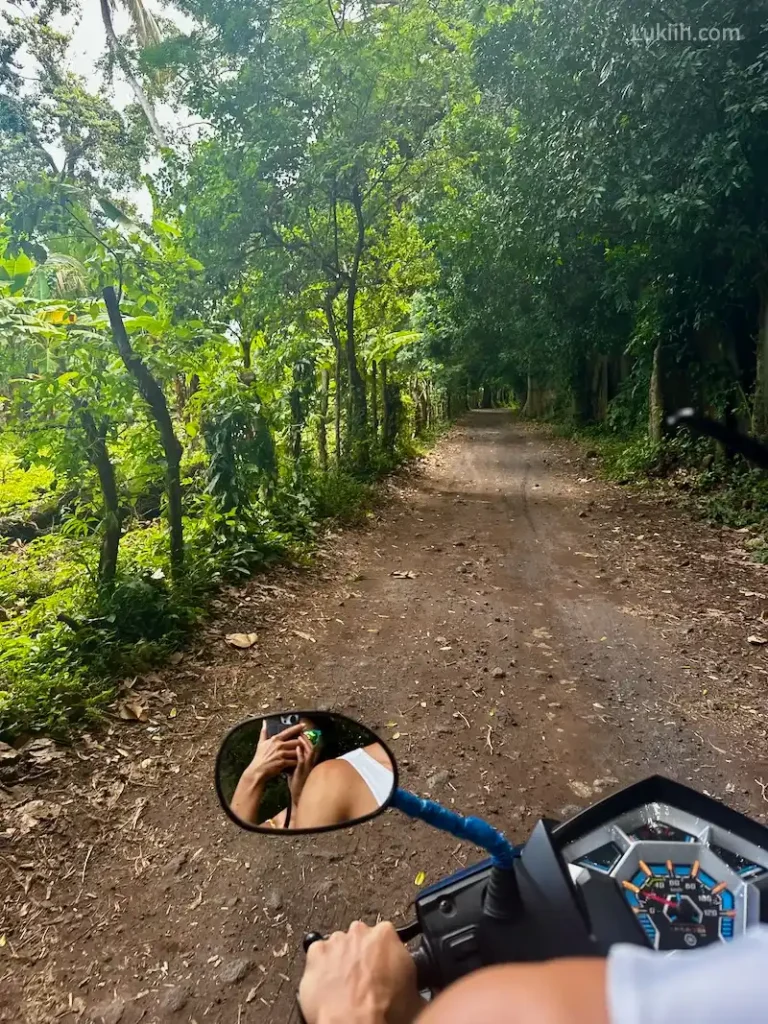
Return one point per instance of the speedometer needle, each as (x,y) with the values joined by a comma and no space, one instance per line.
(660,899)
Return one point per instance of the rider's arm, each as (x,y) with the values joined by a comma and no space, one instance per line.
(718,983)
(724,982)
(555,992)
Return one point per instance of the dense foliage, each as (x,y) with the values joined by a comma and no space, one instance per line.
(318,230)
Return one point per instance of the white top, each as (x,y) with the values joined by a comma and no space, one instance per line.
(376,777)
(724,983)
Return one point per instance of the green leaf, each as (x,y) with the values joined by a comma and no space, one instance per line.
(114,212)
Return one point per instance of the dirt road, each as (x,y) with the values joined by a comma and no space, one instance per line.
(559,638)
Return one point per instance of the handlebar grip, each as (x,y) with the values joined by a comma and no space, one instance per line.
(424,969)
(310,939)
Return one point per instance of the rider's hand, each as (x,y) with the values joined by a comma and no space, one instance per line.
(363,976)
(274,754)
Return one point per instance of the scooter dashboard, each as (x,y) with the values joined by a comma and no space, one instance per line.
(690,870)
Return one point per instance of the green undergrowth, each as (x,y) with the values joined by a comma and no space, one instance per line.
(64,642)
(23,487)
(725,492)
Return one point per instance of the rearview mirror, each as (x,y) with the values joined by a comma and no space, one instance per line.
(303,771)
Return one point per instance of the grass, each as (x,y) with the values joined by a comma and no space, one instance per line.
(64,642)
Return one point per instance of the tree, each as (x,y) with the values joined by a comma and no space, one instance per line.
(153,395)
(147,34)
(313,171)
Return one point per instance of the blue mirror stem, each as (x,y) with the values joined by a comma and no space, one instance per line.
(475,830)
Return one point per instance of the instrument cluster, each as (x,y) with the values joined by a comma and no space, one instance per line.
(688,882)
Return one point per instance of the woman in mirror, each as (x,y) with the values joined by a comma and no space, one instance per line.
(344,788)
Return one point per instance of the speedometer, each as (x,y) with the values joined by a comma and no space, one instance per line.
(680,906)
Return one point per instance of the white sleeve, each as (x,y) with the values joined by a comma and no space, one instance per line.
(724,982)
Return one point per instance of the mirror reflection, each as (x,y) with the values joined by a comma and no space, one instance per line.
(303,770)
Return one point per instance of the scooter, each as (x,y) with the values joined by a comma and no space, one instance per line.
(656,864)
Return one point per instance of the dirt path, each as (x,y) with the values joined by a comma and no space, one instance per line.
(559,638)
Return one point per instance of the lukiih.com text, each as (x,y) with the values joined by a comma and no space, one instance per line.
(678,32)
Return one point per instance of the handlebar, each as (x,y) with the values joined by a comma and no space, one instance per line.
(424,968)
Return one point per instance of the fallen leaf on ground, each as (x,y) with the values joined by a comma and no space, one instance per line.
(395,735)
(132,710)
(305,636)
(404,574)
(172,713)
(35,811)
(280,952)
(7,753)
(581,789)
(420,878)
(241,640)
(176,658)
(758,641)
(42,751)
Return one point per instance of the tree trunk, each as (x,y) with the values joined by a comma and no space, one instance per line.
(322,431)
(245,348)
(153,395)
(125,66)
(333,332)
(98,456)
(375,399)
(486,402)
(294,399)
(390,400)
(423,410)
(534,400)
(358,405)
(600,389)
(392,405)
(760,405)
(655,398)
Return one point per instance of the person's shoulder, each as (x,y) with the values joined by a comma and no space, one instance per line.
(335,768)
